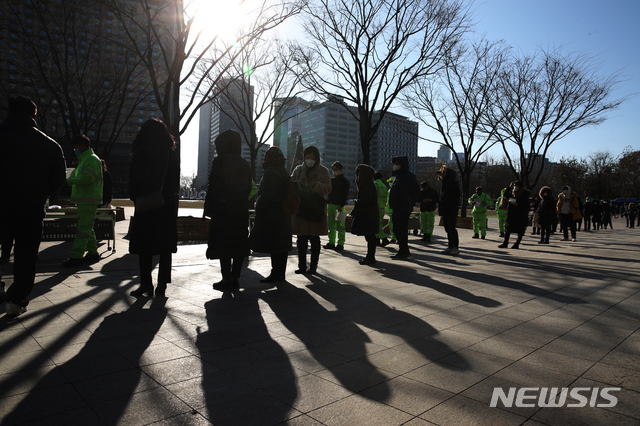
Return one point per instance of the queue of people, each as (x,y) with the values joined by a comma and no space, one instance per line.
(154,189)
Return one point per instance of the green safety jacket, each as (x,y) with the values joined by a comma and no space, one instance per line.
(86,181)
(382,190)
(484,201)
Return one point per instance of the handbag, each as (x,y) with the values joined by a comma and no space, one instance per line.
(311,206)
(153,200)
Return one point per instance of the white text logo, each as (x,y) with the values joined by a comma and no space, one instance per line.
(554,397)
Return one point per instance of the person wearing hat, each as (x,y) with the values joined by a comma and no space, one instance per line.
(568,212)
(428,200)
(480,200)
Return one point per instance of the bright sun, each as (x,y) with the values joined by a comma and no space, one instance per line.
(221,18)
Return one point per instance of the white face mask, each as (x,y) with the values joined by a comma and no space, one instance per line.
(309,163)
(516,189)
(396,167)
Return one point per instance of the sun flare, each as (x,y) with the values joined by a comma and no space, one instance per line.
(219,18)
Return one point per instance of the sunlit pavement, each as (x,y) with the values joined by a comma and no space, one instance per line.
(417,342)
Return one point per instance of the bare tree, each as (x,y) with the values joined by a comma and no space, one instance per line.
(68,67)
(163,36)
(454,105)
(628,173)
(601,176)
(542,98)
(366,52)
(266,70)
(572,171)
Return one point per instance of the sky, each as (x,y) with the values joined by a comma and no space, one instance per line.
(605,30)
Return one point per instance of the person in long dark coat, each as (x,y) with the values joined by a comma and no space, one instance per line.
(365,212)
(271,232)
(227,204)
(448,208)
(403,195)
(154,166)
(546,214)
(517,214)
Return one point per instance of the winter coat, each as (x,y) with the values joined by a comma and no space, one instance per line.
(546,208)
(271,231)
(518,216)
(450,195)
(365,212)
(575,205)
(30,161)
(405,190)
(321,185)
(227,200)
(428,206)
(339,190)
(155,231)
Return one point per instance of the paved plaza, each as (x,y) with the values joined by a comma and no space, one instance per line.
(416,343)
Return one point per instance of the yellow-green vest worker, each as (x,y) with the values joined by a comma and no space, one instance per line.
(480,200)
(502,213)
(86,193)
(383,193)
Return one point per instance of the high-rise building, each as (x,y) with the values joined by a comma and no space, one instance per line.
(444,153)
(397,136)
(93,83)
(223,114)
(287,125)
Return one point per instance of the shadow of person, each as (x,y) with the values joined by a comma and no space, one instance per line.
(97,384)
(337,346)
(253,382)
(376,315)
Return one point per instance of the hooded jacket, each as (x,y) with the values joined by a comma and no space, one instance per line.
(315,179)
(547,208)
(405,191)
(574,206)
(450,194)
(227,199)
(365,212)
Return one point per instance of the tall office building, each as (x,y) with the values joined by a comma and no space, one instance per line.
(56,38)
(222,114)
(444,154)
(397,136)
(287,125)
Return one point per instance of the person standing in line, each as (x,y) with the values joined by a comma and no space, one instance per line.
(271,232)
(383,193)
(365,212)
(588,212)
(428,202)
(389,212)
(568,212)
(535,221)
(227,204)
(501,209)
(480,200)
(28,159)
(403,195)
(86,193)
(154,232)
(631,215)
(517,214)
(581,211)
(597,215)
(606,214)
(311,222)
(546,214)
(448,207)
(337,200)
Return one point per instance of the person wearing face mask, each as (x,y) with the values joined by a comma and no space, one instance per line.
(568,212)
(517,214)
(86,193)
(587,210)
(310,223)
(546,214)
(365,212)
(480,200)
(403,195)
(337,200)
(501,210)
